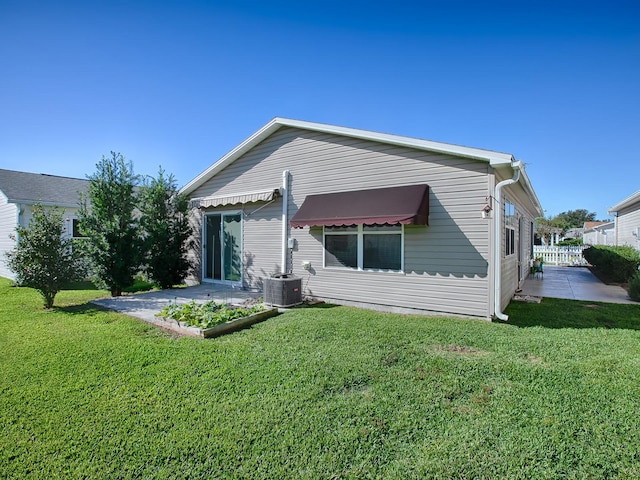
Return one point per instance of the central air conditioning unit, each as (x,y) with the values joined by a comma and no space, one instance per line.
(283,290)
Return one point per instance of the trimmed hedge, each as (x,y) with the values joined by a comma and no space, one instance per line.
(618,264)
(634,287)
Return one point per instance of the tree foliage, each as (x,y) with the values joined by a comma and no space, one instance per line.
(562,222)
(107,218)
(546,226)
(574,218)
(165,223)
(43,259)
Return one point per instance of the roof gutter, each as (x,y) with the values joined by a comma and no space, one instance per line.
(497,244)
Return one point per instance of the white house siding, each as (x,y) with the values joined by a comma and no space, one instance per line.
(599,236)
(446,262)
(628,223)
(8,220)
(592,237)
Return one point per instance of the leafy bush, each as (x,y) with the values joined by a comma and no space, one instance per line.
(43,258)
(634,287)
(140,284)
(618,264)
(570,242)
(206,315)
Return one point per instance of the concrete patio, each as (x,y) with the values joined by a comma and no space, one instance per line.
(573,283)
(146,305)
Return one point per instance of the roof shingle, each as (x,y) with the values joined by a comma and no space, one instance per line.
(39,187)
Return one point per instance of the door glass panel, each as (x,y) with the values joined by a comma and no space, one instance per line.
(232,256)
(213,252)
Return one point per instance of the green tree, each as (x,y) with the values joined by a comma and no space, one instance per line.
(546,226)
(575,218)
(43,259)
(107,219)
(165,222)
(562,222)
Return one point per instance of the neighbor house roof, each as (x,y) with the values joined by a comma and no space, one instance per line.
(630,200)
(495,159)
(24,187)
(588,225)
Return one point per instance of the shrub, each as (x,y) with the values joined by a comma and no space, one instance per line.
(570,242)
(618,264)
(634,287)
(43,258)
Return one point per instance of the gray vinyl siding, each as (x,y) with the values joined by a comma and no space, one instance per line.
(510,281)
(8,221)
(446,263)
(627,222)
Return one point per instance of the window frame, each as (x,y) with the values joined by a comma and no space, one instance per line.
(360,231)
(72,226)
(509,213)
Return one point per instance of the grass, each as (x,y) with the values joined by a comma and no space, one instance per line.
(319,392)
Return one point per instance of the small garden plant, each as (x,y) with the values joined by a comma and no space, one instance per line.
(208,314)
(634,287)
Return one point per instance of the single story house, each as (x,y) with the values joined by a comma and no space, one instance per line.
(367,219)
(598,233)
(626,215)
(18,193)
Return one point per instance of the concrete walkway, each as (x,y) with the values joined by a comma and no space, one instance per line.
(146,305)
(573,283)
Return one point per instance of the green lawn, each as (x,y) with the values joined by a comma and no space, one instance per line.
(318,393)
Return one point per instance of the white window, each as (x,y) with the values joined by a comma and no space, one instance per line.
(509,228)
(75,228)
(365,247)
(72,226)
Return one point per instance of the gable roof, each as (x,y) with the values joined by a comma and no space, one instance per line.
(593,226)
(630,200)
(493,158)
(588,225)
(24,187)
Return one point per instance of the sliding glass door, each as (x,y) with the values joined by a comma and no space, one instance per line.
(222,247)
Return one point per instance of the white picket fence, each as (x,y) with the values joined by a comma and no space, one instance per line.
(559,255)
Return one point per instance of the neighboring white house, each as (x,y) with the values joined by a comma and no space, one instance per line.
(598,233)
(368,219)
(627,221)
(20,190)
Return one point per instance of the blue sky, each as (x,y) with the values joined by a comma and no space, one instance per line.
(180,83)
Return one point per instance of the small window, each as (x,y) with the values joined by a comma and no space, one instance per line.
(509,228)
(76,228)
(364,247)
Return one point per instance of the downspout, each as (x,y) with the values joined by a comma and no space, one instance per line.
(284,191)
(497,244)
